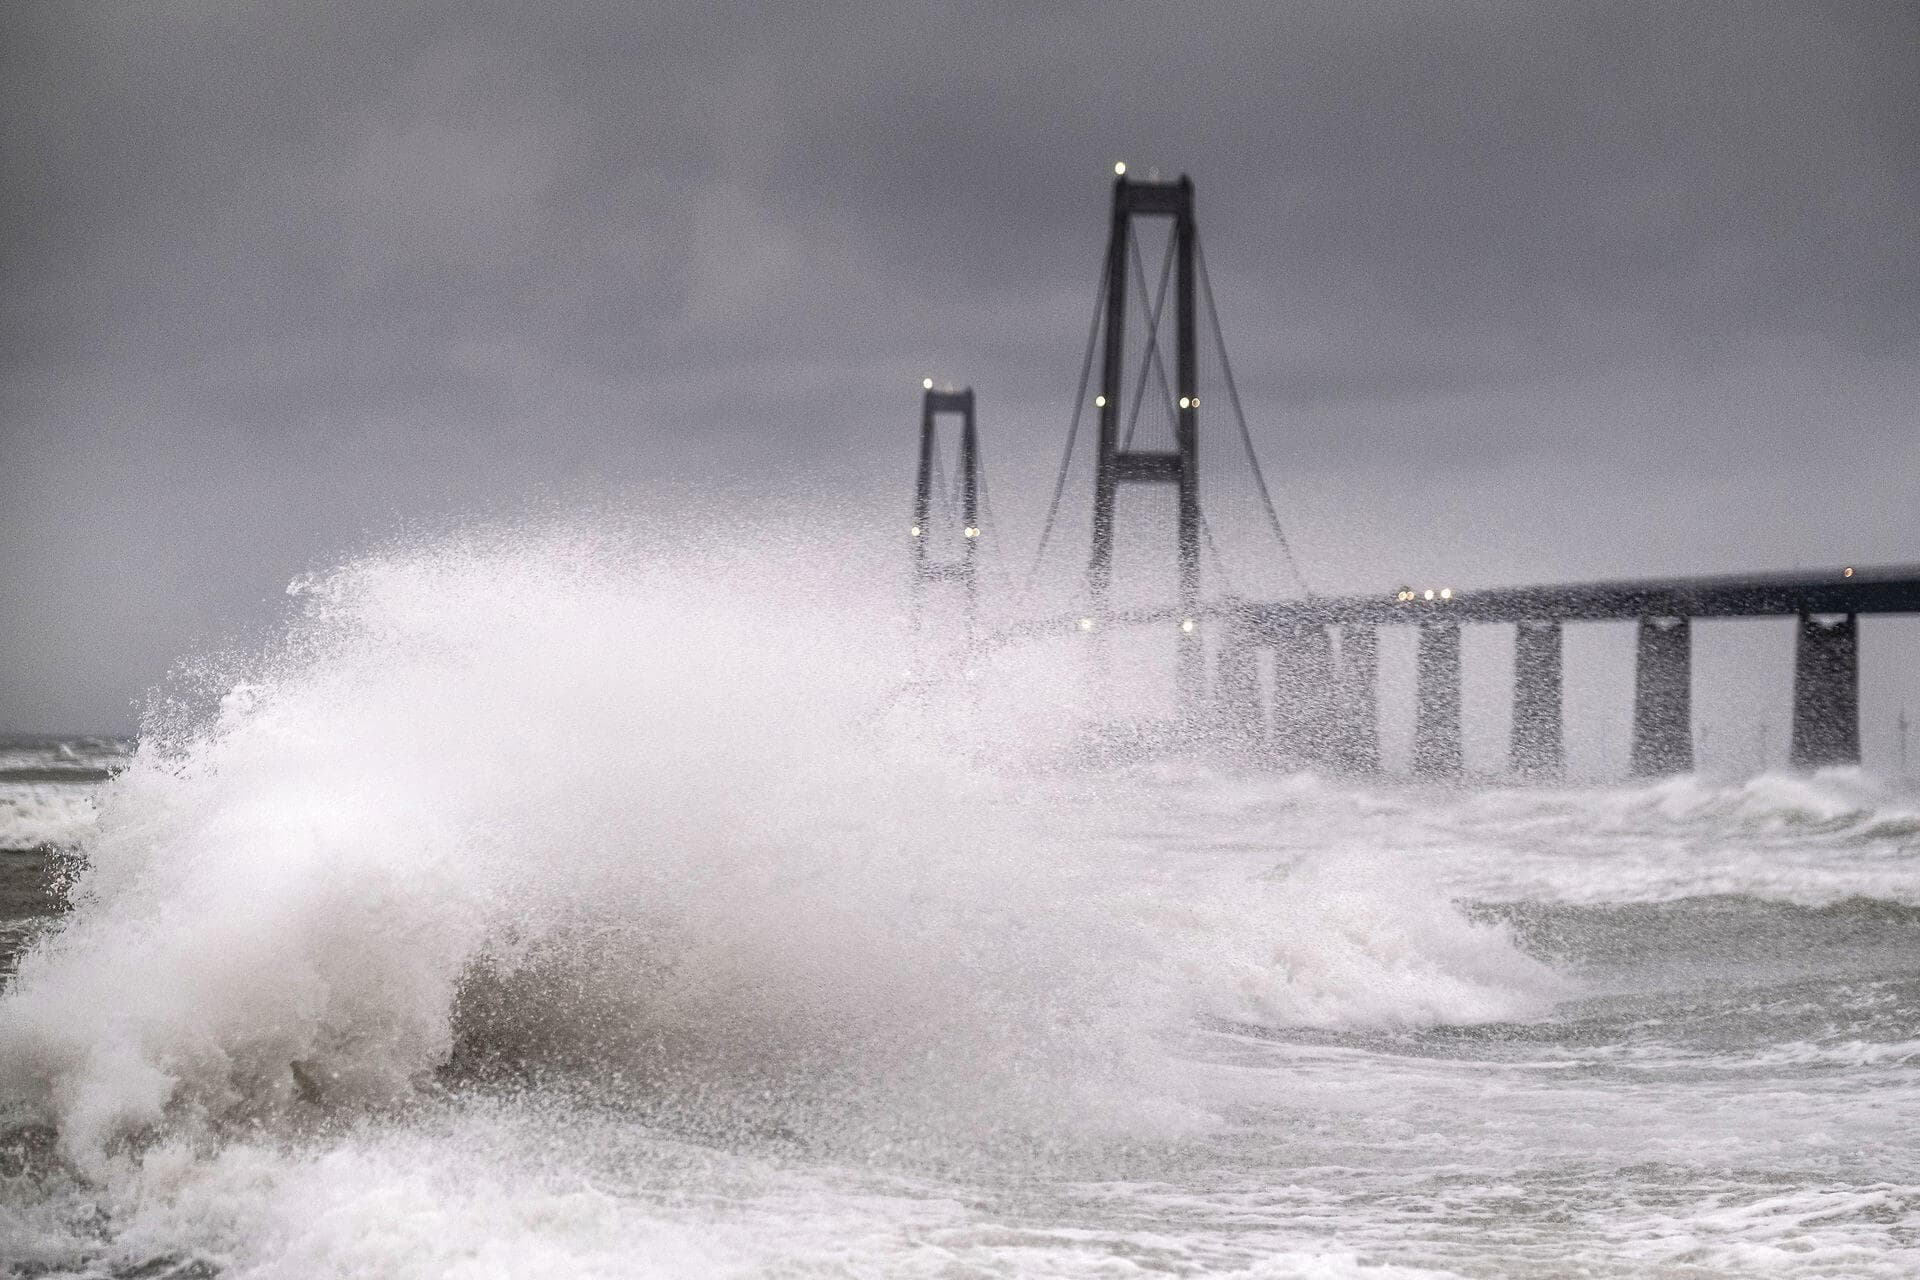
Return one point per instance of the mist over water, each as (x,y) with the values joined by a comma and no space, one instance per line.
(591,899)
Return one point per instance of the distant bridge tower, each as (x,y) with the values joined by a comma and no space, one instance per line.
(927,568)
(1117,464)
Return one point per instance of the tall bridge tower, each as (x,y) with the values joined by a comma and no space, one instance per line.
(1324,702)
(1117,464)
(936,403)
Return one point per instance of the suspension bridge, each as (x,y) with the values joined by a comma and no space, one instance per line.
(1319,707)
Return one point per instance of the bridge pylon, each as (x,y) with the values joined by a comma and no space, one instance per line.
(927,568)
(1662,698)
(1117,464)
(1826,692)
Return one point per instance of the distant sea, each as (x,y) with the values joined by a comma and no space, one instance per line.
(48,785)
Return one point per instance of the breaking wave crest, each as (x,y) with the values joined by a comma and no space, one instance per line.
(1838,803)
(586,800)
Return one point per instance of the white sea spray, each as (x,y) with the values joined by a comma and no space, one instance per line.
(583,901)
(660,810)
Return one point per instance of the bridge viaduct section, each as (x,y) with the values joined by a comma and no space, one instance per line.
(1324,658)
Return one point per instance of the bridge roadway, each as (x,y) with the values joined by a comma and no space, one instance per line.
(1319,707)
(1846,590)
(1840,590)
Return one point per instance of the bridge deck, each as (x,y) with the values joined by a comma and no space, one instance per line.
(1881,589)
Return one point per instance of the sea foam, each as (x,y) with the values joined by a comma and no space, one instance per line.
(588,799)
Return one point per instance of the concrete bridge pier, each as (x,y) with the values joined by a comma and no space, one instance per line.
(1303,695)
(1236,693)
(1826,692)
(1436,710)
(1663,698)
(1535,747)
(1357,700)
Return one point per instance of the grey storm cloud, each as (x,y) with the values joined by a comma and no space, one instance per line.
(1639,281)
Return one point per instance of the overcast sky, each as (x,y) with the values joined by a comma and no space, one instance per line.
(1515,291)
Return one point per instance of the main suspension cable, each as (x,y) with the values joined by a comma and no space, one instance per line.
(1073,433)
(1246,436)
(989,523)
(1219,564)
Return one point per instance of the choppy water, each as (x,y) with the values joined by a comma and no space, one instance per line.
(535,909)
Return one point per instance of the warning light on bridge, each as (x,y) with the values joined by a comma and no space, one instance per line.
(1120,169)
(1429,593)
(1086,624)
(972,532)
(1186,625)
(1446,593)
(1847,572)
(926,384)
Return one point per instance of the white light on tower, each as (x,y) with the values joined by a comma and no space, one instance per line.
(915,531)
(1446,593)
(1120,168)
(1099,402)
(926,384)
(972,532)
(1086,624)
(1429,593)
(1186,625)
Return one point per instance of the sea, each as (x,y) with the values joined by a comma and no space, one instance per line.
(569,904)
